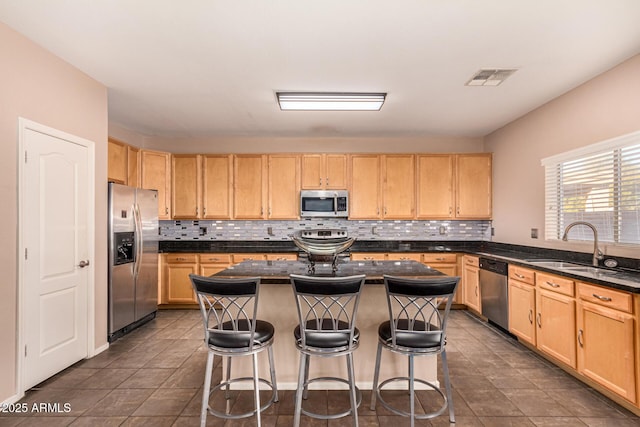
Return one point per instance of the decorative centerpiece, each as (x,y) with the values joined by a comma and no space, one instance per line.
(322,245)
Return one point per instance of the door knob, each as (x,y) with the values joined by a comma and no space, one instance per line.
(83,263)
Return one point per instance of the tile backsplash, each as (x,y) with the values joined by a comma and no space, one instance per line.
(362,230)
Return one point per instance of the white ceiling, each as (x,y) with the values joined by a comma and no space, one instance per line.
(198,68)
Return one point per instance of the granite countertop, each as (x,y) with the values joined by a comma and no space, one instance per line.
(626,278)
(279,271)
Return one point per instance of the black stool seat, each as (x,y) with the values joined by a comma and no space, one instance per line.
(410,337)
(242,336)
(327,338)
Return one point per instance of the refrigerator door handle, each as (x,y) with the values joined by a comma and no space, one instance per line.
(138,236)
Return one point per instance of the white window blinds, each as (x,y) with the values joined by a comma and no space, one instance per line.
(599,184)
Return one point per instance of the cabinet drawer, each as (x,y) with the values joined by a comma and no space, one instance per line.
(440,258)
(282,257)
(523,275)
(247,257)
(555,284)
(369,256)
(215,258)
(471,260)
(180,258)
(404,257)
(607,297)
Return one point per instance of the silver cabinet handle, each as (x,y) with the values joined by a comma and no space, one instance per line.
(539,320)
(580,338)
(83,263)
(531,316)
(601,298)
(553,285)
(519,276)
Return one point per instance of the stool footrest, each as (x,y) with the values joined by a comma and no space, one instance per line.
(230,416)
(395,410)
(331,416)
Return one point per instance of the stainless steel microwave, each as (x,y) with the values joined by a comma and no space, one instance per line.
(324,203)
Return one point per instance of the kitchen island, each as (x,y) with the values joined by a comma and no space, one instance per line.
(277,305)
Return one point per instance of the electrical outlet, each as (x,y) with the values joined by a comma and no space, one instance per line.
(534,233)
(443,230)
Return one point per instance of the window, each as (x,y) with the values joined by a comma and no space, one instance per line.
(599,184)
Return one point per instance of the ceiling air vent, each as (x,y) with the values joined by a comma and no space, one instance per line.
(490,77)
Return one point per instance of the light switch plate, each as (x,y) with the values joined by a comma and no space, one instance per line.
(534,233)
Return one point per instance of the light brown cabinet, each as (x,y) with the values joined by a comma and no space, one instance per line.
(473,186)
(176,284)
(117,162)
(210,264)
(249,186)
(607,332)
(324,172)
(522,303)
(471,282)
(283,186)
(398,186)
(435,186)
(156,175)
(446,263)
(186,186)
(365,193)
(556,317)
(133,166)
(217,186)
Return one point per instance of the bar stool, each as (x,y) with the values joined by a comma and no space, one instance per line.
(416,327)
(228,308)
(327,308)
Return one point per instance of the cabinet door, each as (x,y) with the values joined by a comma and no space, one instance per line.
(211,269)
(178,289)
(217,186)
(249,186)
(473,186)
(133,166)
(156,175)
(556,325)
(522,309)
(185,186)
(336,171)
(368,256)
(406,256)
(398,187)
(606,348)
(471,286)
(435,195)
(284,186)
(312,172)
(117,162)
(364,195)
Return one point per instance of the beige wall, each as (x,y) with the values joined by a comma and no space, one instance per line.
(603,108)
(36,85)
(445,144)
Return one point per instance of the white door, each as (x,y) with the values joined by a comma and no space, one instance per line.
(55,238)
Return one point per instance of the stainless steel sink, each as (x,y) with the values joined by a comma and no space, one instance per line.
(553,263)
(591,270)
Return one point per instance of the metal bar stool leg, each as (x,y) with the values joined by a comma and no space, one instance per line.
(376,376)
(299,390)
(272,370)
(352,389)
(205,390)
(305,394)
(227,394)
(447,385)
(412,392)
(256,387)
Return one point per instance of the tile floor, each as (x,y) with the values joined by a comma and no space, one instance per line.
(153,377)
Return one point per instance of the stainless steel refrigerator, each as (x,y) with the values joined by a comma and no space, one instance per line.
(133,258)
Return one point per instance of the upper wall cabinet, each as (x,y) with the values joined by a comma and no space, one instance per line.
(284,186)
(186,199)
(364,190)
(156,175)
(249,186)
(117,162)
(454,186)
(133,166)
(398,186)
(324,172)
(217,186)
(473,186)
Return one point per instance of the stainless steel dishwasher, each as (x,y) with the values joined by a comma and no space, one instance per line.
(494,295)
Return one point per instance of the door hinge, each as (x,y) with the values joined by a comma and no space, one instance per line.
(25,157)
(25,253)
(25,351)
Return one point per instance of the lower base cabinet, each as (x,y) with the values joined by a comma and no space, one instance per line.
(522,304)
(471,282)
(176,285)
(607,332)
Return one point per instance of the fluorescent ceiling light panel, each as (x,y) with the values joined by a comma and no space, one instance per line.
(328,101)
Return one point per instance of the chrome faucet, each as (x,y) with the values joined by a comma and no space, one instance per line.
(597,253)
